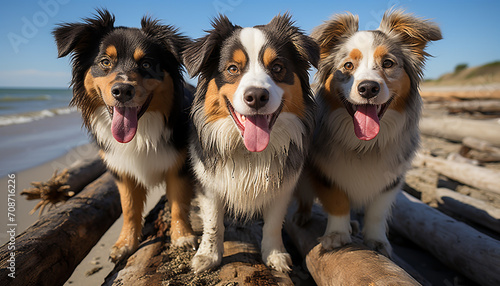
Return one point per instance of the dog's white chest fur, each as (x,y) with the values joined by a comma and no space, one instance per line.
(365,168)
(246,181)
(147,157)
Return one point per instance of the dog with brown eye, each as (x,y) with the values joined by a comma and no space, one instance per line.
(367,125)
(128,85)
(253,118)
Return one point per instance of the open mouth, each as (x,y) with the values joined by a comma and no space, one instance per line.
(366,118)
(124,120)
(255,129)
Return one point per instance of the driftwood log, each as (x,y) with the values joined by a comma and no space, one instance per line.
(154,263)
(141,267)
(487,152)
(48,251)
(350,265)
(242,263)
(467,106)
(461,94)
(475,255)
(65,184)
(456,129)
(477,177)
(472,209)
(480,145)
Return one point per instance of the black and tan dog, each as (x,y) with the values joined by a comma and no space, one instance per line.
(367,128)
(127,82)
(253,121)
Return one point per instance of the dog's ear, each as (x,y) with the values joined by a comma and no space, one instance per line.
(305,45)
(412,31)
(169,36)
(77,37)
(329,34)
(206,49)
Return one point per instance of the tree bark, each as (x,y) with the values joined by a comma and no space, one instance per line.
(48,251)
(454,243)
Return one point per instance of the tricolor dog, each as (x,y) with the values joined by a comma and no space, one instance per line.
(367,125)
(253,122)
(127,83)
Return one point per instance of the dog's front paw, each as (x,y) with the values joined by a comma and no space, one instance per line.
(382,246)
(281,261)
(202,262)
(120,252)
(334,240)
(186,242)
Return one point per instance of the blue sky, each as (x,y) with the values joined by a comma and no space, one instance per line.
(28,57)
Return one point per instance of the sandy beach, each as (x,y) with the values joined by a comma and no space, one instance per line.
(96,261)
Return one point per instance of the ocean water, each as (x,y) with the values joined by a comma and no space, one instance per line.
(26,105)
(36,126)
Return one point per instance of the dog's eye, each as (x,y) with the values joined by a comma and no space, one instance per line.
(106,63)
(348,66)
(232,69)
(277,68)
(387,64)
(146,65)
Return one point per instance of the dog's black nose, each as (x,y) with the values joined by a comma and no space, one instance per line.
(123,92)
(368,88)
(256,97)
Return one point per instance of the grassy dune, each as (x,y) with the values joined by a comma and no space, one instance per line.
(463,75)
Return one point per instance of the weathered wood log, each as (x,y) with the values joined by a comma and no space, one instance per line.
(460,94)
(66,184)
(353,264)
(454,243)
(472,209)
(49,250)
(141,267)
(480,145)
(471,106)
(242,263)
(456,129)
(456,157)
(477,177)
(156,263)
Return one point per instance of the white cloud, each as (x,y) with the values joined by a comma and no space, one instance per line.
(34,78)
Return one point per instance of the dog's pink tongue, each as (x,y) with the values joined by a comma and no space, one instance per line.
(124,123)
(366,123)
(256,135)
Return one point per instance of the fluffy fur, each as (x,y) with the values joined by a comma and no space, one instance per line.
(246,73)
(124,77)
(361,166)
